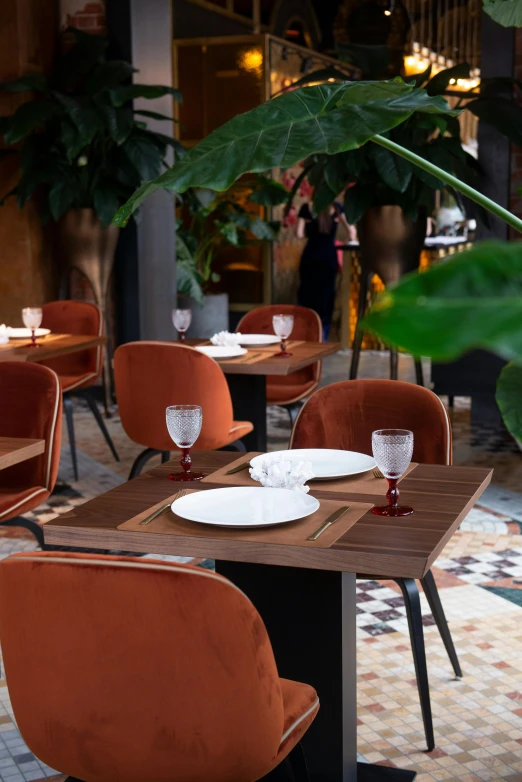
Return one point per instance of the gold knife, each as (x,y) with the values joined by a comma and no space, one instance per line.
(156,513)
(239,467)
(329,521)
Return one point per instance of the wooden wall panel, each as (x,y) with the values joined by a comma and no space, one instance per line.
(28,41)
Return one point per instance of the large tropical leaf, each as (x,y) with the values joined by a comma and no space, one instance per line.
(268,192)
(287,129)
(109,74)
(394,170)
(509,397)
(505,12)
(120,95)
(441,81)
(473,300)
(502,113)
(105,202)
(27,118)
(61,198)
(87,51)
(82,114)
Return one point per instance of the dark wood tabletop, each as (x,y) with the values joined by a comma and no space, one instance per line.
(18,449)
(51,346)
(402,547)
(262,360)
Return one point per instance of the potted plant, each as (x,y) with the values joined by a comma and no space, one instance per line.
(83,149)
(213,223)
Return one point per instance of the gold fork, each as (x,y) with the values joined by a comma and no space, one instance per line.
(377,473)
(159,511)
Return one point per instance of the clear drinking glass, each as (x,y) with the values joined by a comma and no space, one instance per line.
(392,450)
(181,320)
(184,425)
(283,325)
(32,318)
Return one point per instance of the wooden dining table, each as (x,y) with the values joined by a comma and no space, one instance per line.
(51,346)
(14,450)
(304,593)
(247,379)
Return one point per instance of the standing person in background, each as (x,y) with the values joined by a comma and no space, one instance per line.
(319,266)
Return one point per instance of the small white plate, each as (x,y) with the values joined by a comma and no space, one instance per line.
(327,463)
(26,333)
(245,506)
(219,352)
(259,339)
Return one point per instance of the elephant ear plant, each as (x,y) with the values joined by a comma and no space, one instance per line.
(81,143)
(336,118)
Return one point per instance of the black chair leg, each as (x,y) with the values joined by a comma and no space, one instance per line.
(357,341)
(68,409)
(419,372)
(394,364)
(410,593)
(141,460)
(29,524)
(451,401)
(433,598)
(88,396)
(293,411)
(237,445)
(165,456)
(297,760)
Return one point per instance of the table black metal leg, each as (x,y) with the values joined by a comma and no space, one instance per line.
(248,394)
(310,618)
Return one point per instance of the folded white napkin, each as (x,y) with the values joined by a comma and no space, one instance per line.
(4,337)
(280,473)
(225,339)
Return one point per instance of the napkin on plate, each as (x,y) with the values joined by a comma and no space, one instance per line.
(280,473)
(225,339)
(4,337)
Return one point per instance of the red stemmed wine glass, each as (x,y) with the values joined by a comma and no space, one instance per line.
(184,425)
(392,450)
(283,325)
(32,318)
(181,320)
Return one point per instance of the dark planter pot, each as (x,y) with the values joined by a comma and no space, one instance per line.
(390,242)
(209,319)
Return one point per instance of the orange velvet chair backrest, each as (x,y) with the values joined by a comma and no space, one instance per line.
(31,405)
(124,669)
(151,376)
(75,317)
(344,415)
(307,327)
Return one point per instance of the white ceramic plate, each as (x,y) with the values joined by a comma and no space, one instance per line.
(217,352)
(259,339)
(26,333)
(245,506)
(327,463)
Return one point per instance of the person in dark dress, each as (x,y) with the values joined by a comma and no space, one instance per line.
(319,265)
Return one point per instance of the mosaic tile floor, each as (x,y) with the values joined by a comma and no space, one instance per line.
(478,720)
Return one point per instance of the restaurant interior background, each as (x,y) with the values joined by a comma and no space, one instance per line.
(226,57)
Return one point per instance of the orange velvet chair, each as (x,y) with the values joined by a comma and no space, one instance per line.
(146,671)
(78,372)
(344,415)
(151,376)
(288,391)
(31,405)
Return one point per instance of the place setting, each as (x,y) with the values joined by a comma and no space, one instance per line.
(277,507)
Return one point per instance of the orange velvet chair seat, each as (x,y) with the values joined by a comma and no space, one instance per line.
(17,501)
(284,393)
(77,382)
(147,670)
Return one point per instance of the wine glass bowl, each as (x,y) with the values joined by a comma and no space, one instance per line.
(184,425)
(181,320)
(392,450)
(283,325)
(32,318)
